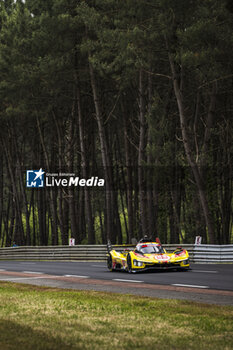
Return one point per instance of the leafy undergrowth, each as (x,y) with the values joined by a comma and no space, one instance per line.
(47,318)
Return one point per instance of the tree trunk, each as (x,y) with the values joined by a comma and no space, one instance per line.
(19,231)
(52,199)
(189,154)
(23,191)
(88,208)
(105,158)
(142,158)
(63,207)
(152,224)
(129,189)
(42,209)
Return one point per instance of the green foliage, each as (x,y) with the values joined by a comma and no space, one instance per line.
(46,48)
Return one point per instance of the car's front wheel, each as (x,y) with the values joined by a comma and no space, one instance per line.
(129,264)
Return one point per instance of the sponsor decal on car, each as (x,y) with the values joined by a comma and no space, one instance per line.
(162,257)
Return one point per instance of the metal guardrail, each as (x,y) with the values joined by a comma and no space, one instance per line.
(204,253)
(198,253)
(81,253)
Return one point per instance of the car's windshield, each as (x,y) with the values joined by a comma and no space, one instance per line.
(150,249)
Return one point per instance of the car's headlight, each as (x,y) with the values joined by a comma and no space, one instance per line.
(137,263)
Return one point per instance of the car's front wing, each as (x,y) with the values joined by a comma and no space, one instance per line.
(161,266)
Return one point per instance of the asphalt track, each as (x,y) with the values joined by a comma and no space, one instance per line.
(211,283)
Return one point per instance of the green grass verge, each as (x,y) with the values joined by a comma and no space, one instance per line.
(47,318)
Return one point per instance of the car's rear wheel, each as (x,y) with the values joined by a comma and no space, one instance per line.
(109,263)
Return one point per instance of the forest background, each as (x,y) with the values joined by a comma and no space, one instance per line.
(139,93)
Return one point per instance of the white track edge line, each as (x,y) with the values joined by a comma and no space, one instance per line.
(188,285)
(123,280)
(77,276)
(34,272)
(204,271)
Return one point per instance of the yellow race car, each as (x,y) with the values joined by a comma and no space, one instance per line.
(147,255)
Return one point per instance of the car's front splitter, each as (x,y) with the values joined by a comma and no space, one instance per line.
(161,267)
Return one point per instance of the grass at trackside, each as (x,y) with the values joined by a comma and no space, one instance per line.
(46,318)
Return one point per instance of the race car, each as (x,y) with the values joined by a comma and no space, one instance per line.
(147,255)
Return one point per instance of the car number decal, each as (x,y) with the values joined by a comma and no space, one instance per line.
(162,257)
